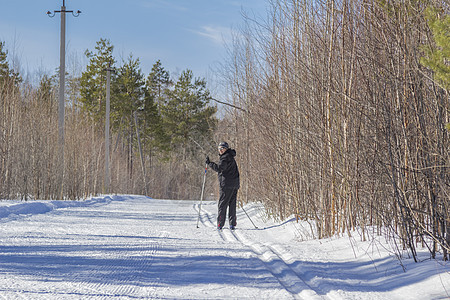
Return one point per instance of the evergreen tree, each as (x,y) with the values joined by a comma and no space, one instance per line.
(93,80)
(127,93)
(158,82)
(438,56)
(186,114)
(6,74)
(4,66)
(131,100)
(153,130)
(46,90)
(157,87)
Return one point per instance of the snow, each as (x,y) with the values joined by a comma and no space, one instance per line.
(134,247)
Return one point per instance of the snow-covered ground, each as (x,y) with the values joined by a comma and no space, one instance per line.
(133,247)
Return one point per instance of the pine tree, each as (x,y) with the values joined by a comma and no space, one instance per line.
(6,74)
(4,66)
(93,80)
(158,82)
(438,56)
(46,90)
(128,93)
(157,87)
(153,130)
(186,113)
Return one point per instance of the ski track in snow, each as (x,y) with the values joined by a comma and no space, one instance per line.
(134,247)
(272,259)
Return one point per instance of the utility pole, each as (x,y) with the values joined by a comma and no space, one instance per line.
(62,76)
(140,151)
(108,109)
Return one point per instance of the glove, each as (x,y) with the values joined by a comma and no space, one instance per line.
(207,160)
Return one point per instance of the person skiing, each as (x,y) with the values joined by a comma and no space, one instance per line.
(228,174)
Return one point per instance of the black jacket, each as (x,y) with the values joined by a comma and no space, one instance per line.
(227,170)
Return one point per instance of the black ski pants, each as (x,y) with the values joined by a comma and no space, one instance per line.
(227,199)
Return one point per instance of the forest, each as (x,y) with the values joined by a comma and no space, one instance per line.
(344,117)
(153,121)
(338,109)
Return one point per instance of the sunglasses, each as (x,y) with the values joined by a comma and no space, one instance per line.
(222,148)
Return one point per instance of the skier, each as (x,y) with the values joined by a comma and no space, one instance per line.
(228,174)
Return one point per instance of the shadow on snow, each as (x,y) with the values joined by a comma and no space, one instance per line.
(135,265)
(156,265)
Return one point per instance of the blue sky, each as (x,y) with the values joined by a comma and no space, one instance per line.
(181,33)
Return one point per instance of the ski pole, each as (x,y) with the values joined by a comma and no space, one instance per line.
(249,217)
(201,196)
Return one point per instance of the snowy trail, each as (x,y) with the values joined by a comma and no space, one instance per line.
(133,247)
